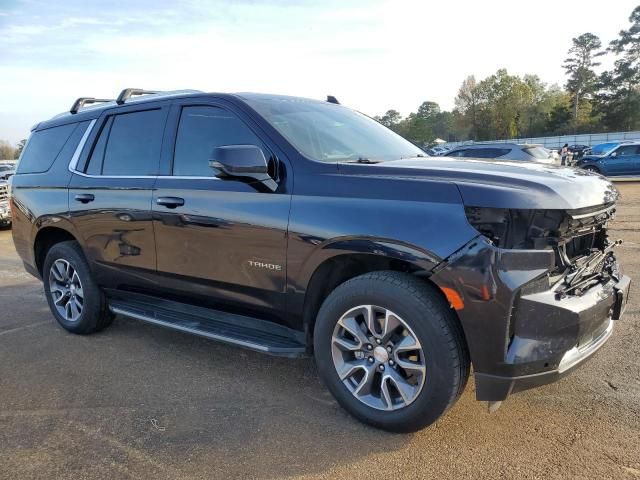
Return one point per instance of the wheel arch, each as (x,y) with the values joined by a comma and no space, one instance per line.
(45,238)
(348,258)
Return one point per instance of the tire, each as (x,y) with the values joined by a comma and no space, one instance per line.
(423,314)
(93,314)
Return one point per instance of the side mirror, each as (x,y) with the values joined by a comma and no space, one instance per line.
(242,162)
(613,154)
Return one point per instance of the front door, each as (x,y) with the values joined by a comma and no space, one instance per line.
(220,243)
(626,161)
(110,195)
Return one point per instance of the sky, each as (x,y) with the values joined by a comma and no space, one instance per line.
(372,55)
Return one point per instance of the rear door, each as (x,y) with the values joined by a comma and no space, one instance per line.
(110,194)
(222,243)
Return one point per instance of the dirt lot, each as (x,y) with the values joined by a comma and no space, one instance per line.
(137,401)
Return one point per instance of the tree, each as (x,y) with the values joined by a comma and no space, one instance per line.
(467,104)
(390,119)
(19,148)
(7,151)
(619,98)
(579,66)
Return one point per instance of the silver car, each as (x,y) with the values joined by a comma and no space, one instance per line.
(504,151)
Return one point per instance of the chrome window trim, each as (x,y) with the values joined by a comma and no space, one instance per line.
(76,155)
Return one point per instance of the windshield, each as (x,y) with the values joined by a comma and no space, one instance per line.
(603,148)
(330,133)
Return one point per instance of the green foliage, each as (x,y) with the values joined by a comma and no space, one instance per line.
(580,69)
(618,101)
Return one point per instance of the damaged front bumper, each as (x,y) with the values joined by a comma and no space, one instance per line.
(521,329)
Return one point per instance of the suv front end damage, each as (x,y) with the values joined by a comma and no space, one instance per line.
(537,292)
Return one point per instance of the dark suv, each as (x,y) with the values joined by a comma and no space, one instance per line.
(295,227)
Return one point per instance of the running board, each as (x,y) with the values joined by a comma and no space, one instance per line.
(246,332)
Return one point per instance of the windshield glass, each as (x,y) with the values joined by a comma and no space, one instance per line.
(603,148)
(330,133)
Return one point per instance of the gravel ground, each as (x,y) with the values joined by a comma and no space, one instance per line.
(137,401)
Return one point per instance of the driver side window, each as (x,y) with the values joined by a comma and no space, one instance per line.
(203,128)
(627,150)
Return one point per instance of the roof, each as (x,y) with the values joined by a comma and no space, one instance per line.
(88,108)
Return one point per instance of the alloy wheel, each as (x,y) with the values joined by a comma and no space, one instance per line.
(66,290)
(378,357)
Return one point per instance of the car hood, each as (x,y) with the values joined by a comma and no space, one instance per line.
(592,156)
(507,184)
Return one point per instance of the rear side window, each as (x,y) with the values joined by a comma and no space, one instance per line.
(129,144)
(43,147)
(487,152)
(537,152)
(201,129)
(456,153)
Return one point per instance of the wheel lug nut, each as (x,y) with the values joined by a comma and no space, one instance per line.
(381,367)
(378,341)
(392,363)
(389,349)
(369,347)
(370,359)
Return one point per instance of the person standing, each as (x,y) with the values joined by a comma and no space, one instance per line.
(564,153)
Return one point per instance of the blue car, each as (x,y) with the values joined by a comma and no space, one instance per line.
(620,161)
(603,148)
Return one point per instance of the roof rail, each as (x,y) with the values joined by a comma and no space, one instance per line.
(127,93)
(332,99)
(82,101)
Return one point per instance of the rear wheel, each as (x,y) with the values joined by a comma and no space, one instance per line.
(390,350)
(74,298)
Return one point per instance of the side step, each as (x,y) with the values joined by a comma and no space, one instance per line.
(246,332)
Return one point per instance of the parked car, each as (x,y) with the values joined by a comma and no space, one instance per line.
(602,148)
(503,151)
(437,151)
(622,160)
(298,227)
(5,210)
(6,171)
(578,150)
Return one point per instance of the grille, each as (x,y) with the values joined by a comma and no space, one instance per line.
(4,192)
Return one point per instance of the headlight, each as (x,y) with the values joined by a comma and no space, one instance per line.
(518,229)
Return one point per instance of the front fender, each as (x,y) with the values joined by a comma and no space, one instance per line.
(379,247)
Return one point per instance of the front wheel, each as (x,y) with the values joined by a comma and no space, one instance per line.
(390,350)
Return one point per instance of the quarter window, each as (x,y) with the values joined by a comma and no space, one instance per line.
(201,129)
(43,148)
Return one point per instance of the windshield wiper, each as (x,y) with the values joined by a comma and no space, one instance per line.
(361,160)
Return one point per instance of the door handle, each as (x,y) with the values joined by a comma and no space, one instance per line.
(85,197)
(170,202)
